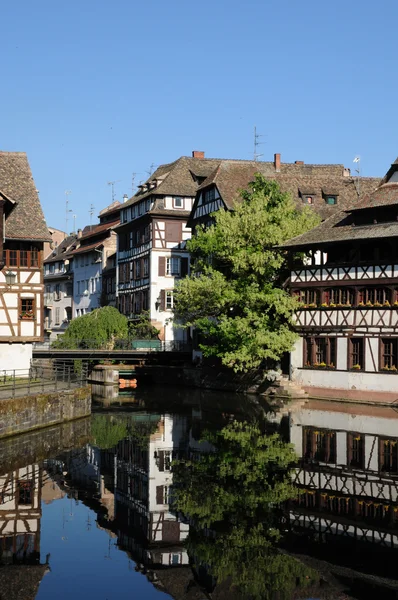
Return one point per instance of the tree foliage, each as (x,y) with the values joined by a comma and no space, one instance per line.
(142,328)
(232,498)
(235,296)
(97,329)
(107,431)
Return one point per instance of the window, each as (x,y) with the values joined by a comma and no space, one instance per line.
(375,296)
(169,299)
(209,196)
(331,200)
(178,202)
(137,269)
(356,450)
(308,200)
(78,288)
(57,316)
(173,266)
(145,268)
(68,289)
(339,296)
(388,455)
(356,356)
(25,489)
(307,296)
(51,269)
(320,352)
(27,307)
(388,354)
(319,445)
(57,295)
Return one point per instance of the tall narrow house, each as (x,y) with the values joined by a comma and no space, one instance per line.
(152,253)
(23,232)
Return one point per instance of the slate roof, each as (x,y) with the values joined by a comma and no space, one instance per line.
(385,195)
(92,230)
(26,220)
(187,175)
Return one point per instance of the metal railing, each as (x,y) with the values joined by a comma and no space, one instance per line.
(59,376)
(119,345)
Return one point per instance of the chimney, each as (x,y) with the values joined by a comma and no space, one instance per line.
(79,233)
(277,162)
(198,154)
(125,197)
(298,162)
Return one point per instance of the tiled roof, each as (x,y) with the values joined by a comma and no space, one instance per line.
(63,249)
(87,248)
(385,195)
(334,229)
(26,220)
(91,230)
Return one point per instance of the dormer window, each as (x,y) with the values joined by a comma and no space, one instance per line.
(330,196)
(178,202)
(307,196)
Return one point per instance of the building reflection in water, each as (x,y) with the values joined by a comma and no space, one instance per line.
(348,480)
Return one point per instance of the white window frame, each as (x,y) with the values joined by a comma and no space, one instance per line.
(169,299)
(173,266)
(177,200)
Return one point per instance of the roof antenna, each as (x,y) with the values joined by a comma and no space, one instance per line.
(112,184)
(133,176)
(257,136)
(91,212)
(151,169)
(357,161)
(67,211)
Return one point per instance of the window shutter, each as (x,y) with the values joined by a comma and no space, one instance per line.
(162,266)
(159,494)
(173,231)
(184,267)
(163,300)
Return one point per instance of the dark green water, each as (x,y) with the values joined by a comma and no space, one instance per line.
(189,495)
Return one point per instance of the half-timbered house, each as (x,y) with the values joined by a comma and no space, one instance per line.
(23,232)
(347,286)
(152,237)
(346,475)
(326,189)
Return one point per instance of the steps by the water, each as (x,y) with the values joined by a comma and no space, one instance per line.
(285,388)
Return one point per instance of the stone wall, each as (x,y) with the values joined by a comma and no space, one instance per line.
(18,415)
(33,447)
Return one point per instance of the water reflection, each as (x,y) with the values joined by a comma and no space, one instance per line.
(210,496)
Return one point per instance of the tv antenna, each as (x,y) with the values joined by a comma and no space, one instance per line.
(74,223)
(151,169)
(357,161)
(67,210)
(257,136)
(91,212)
(112,184)
(133,176)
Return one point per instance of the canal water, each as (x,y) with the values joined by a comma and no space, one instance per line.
(190,495)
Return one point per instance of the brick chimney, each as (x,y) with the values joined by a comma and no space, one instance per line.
(198,154)
(79,234)
(298,162)
(277,162)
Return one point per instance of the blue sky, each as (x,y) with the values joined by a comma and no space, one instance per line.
(96,90)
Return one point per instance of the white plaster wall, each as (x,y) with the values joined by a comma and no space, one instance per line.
(159,283)
(347,380)
(90,271)
(15,356)
(342,347)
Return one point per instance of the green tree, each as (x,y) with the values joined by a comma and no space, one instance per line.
(232,497)
(108,430)
(142,328)
(235,296)
(97,329)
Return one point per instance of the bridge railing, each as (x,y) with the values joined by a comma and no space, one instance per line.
(25,382)
(122,345)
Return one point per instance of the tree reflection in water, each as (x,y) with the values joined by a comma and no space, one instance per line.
(232,496)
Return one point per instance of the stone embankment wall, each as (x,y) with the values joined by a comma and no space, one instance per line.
(18,415)
(33,447)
